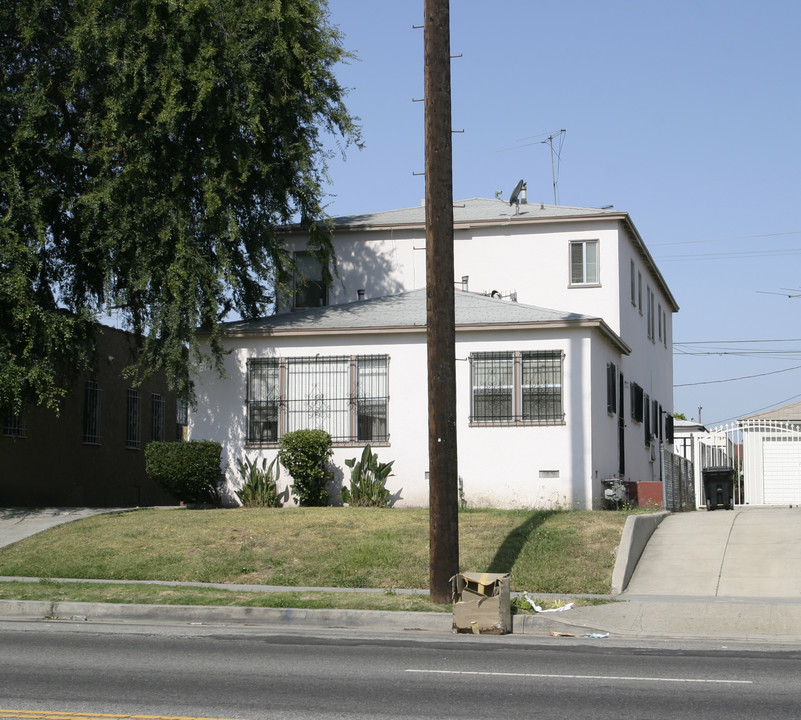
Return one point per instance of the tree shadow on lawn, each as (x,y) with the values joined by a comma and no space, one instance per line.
(509,550)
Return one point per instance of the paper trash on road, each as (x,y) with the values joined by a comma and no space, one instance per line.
(539,609)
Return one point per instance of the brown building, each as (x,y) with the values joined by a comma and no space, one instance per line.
(92,453)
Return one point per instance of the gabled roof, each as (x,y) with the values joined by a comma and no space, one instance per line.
(789,412)
(406,312)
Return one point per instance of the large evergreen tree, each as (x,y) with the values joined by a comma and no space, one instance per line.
(149,150)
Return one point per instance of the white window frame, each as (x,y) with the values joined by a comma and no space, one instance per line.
(582,260)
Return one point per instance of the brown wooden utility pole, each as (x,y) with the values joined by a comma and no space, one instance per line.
(441,336)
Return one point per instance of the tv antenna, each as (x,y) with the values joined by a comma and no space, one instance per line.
(557,136)
(555,166)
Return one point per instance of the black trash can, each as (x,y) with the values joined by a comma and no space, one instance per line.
(719,487)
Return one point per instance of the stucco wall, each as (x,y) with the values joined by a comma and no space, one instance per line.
(545,466)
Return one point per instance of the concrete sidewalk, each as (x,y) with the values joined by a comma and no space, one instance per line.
(19,523)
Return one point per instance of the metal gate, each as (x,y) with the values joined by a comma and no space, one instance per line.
(766,456)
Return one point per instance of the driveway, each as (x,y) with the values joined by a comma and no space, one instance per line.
(742,553)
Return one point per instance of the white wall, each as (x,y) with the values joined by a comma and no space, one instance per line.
(533,261)
(500,466)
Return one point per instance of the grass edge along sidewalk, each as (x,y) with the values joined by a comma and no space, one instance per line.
(548,552)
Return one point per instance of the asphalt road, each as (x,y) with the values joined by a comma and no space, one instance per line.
(72,670)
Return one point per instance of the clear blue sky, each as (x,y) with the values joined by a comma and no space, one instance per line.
(686,114)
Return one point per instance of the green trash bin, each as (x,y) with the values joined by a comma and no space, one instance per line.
(719,487)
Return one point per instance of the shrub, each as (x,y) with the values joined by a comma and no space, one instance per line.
(305,454)
(189,471)
(368,479)
(260,484)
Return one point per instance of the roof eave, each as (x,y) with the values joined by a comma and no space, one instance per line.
(612,337)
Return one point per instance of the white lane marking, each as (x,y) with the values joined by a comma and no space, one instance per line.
(579,677)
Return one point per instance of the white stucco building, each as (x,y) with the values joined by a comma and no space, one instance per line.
(563,346)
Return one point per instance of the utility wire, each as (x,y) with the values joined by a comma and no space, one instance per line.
(742,237)
(734,342)
(754,412)
(744,377)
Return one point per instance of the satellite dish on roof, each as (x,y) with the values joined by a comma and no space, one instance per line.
(516,193)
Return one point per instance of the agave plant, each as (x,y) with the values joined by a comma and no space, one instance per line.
(259,484)
(368,479)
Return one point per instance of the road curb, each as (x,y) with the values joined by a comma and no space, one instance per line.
(225,615)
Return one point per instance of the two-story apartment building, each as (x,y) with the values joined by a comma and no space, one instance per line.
(563,345)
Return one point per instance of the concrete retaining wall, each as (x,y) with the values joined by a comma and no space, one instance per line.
(636,533)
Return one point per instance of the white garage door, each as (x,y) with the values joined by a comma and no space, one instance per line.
(782,472)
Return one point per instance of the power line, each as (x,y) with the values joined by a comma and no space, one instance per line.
(735,255)
(733,342)
(754,412)
(743,377)
(741,237)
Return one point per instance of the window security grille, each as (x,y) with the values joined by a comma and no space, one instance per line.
(157,417)
(91,412)
(133,416)
(14,424)
(347,397)
(517,387)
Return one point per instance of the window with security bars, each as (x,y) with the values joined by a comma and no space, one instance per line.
(14,423)
(348,397)
(517,388)
(91,412)
(133,420)
(157,417)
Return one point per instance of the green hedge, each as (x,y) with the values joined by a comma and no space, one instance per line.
(189,471)
(305,455)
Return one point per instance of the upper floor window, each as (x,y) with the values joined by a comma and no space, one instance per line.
(348,397)
(584,262)
(517,388)
(639,291)
(310,289)
(633,285)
